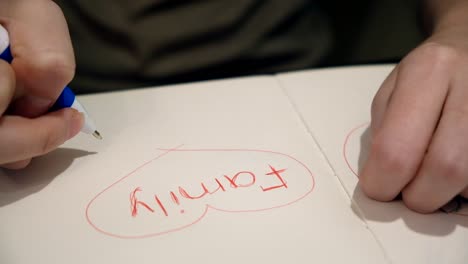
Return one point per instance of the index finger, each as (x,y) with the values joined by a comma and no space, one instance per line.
(43,54)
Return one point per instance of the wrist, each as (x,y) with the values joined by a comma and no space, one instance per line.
(448,15)
(449,23)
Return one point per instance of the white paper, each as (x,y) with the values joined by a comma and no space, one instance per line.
(211,172)
(335,105)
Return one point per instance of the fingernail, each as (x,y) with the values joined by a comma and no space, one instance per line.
(76,123)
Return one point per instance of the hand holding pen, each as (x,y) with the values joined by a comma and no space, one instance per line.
(43,65)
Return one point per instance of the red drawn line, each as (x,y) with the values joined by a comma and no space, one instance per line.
(161,205)
(277,173)
(231,182)
(184,193)
(234,179)
(166,151)
(345,146)
(174,198)
(134,203)
(220,185)
(262,151)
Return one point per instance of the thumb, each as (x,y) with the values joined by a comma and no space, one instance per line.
(23,138)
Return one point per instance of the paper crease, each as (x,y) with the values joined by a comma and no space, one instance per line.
(329,164)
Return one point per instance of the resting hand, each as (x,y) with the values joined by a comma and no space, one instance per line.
(420,121)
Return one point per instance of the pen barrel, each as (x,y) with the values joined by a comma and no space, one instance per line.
(88,127)
(5,52)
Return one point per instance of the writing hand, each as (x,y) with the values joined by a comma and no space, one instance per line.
(43,64)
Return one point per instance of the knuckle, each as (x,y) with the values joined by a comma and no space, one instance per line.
(451,168)
(440,51)
(391,157)
(439,54)
(62,64)
(49,61)
(57,64)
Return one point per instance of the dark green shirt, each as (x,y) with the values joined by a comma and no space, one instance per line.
(129,43)
(123,44)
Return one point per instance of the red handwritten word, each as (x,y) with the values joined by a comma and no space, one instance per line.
(170,207)
(233,183)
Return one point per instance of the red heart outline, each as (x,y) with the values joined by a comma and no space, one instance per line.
(207,206)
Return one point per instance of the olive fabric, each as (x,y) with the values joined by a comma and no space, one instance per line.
(120,44)
(123,44)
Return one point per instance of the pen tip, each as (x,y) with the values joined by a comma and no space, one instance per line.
(97,135)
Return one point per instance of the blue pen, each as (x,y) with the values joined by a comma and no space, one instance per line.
(66,98)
